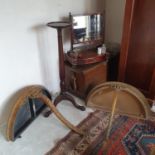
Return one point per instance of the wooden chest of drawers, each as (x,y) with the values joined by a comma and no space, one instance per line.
(81,79)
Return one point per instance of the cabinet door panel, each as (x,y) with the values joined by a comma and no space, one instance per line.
(140,48)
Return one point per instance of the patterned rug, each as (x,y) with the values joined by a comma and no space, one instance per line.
(128,136)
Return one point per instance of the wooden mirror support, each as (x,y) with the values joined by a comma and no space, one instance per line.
(32,93)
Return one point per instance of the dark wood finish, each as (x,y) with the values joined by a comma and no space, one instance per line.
(125,38)
(137,58)
(85,51)
(81,79)
(62,96)
(84,67)
(113,65)
(84,57)
(152,86)
(59,26)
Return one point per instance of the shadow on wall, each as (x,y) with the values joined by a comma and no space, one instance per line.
(48,53)
(48,57)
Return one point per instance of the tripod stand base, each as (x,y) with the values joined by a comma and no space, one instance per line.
(65,96)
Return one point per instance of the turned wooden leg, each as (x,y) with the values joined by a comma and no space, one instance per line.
(65,96)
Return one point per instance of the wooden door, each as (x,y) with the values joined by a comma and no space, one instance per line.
(137,59)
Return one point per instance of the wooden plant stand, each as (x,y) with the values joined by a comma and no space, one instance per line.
(63,95)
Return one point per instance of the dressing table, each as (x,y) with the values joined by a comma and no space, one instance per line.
(85,67)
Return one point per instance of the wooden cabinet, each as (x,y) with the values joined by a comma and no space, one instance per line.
(85,64)
(81,79)
(137,58)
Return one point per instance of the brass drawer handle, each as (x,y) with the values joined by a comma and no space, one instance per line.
(74,82)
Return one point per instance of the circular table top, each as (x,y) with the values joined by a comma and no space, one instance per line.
(59,24)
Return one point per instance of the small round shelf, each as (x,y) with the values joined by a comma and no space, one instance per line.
(59,24)
(63,95)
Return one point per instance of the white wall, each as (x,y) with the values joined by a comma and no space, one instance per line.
(28,49)
(114,20)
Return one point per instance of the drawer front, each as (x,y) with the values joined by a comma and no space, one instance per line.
(75,82)
(95,76)
(81,82)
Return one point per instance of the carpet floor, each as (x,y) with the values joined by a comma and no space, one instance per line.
(128,136)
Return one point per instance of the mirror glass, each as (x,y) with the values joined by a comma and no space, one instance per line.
(87,28)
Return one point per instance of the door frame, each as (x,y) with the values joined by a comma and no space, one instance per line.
(127,26)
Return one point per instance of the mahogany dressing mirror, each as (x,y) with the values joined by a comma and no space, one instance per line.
(87,34)
(87,28)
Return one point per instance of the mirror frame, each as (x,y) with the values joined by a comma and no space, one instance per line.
(91,43)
